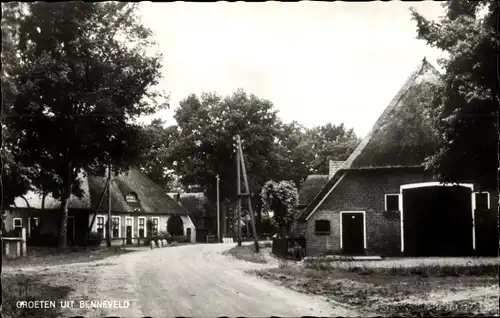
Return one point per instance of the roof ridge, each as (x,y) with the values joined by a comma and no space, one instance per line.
(392,104)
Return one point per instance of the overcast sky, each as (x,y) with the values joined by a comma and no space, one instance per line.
(317,62)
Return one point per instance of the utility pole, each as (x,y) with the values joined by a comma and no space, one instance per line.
(238,191)
(247,194)
(110,219)
(218,211)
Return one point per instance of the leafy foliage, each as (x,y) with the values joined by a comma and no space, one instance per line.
(204,146)
(466,102)
(157,163)
(282,198)
(80,75)
(330,142)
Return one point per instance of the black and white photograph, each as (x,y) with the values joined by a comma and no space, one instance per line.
(250,159)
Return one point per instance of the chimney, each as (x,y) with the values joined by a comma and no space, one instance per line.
(334,167)
(178,197)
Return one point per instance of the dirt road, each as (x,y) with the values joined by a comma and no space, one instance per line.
(189,281)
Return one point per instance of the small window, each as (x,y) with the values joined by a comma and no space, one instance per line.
(100,226)
(131,197)
(17,226)
(392,202)
(18,223)
(322,227)
(482,200)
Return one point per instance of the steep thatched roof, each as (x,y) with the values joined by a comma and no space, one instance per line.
(151,197)
(401,137)
(195,202)
(311,187)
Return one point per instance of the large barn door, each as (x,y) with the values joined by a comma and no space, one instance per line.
(437,221)
(353,233)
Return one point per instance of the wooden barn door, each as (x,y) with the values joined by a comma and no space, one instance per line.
(353,233)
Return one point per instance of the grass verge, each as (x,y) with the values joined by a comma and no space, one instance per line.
(419,270)
(52,256)
(398,291)
(247,253)
(18,287)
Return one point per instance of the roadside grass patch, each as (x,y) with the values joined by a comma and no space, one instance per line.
(42,256)
(247,253)
(19,287)
(419,270)
(420,290)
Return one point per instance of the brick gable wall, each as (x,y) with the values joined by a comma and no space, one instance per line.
(364,191)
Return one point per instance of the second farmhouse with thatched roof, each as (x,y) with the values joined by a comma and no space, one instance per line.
(382,201)
(140,209)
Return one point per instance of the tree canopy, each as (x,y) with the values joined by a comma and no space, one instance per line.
(466,101)
(203,146)
(157,160)
(78,75)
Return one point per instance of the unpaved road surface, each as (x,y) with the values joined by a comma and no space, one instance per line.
(189,281)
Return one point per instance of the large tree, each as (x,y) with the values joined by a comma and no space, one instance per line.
(300,151)
(81,74)
(157,163)
(294,153)
(205,146)
(330,142)
(466,101)
(15,177)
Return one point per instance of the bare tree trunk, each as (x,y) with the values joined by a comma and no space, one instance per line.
(25,200)
(44,195)
(63,242)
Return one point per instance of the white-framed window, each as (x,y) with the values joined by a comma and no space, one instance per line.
(156,222)
(131,197)
(142,226)
(481,200)
(100,226)
(17,225)
(32,224)
(116,227)
(322,227)
(391,202)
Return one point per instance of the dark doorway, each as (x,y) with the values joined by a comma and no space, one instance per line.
(129,234)
(128,230)
(353,233)
(188,234)
(175,226)
(437,221)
